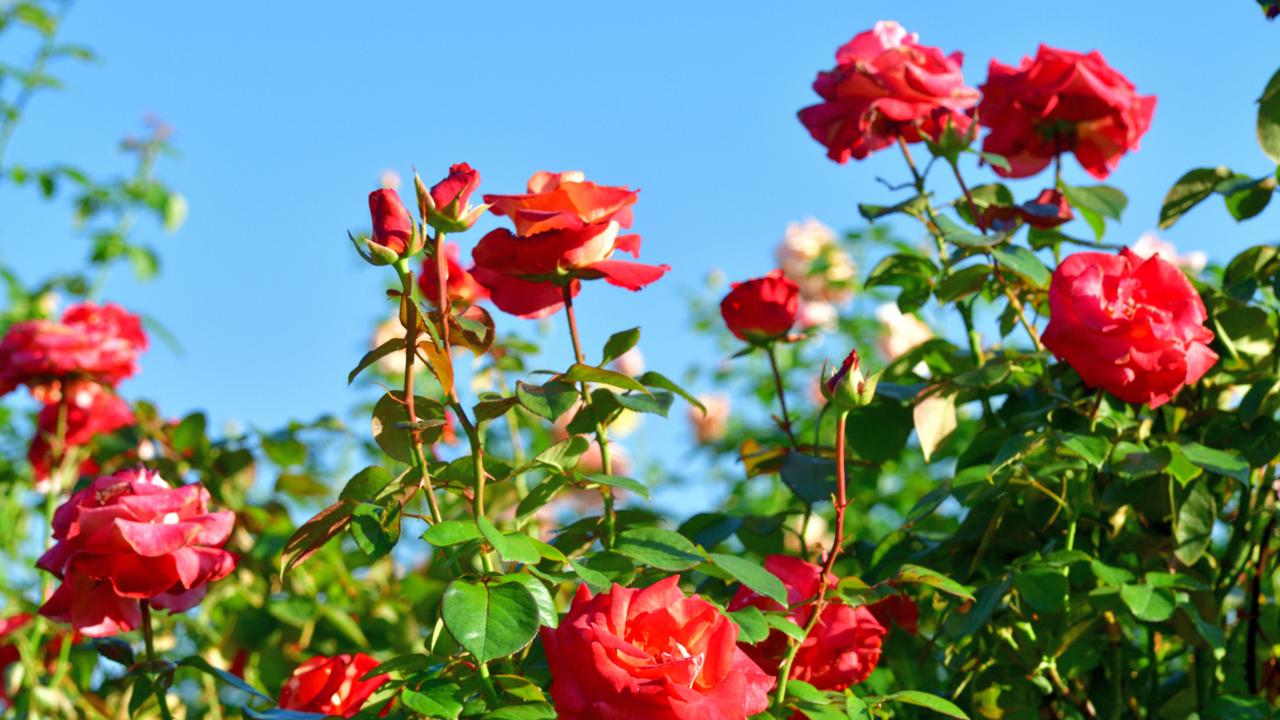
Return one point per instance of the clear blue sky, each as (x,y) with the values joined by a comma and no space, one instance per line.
(286,113)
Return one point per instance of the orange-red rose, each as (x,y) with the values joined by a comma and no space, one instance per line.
(331,685)
(887,86)
(1058,102)
(461,285)
(844,646)
(94,342)
(566,230)
(130,537)
(763,308)
(1131,326)
(651,654)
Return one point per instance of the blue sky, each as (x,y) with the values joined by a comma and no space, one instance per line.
(286,114)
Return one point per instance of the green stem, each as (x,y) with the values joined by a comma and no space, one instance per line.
(602,440)
(782,394)
(149,639)
(486,682)
(477,467)
(410,306)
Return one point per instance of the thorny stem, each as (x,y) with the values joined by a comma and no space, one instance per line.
(149,638)
(928,207)
(602,441)
(968,197)
(1022,319)
(819,604)
(410,310)
(782,395)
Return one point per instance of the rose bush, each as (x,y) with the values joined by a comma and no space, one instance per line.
(978,459)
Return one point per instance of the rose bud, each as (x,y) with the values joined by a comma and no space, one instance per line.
(651,653)
(887,86)
(1133,327)
(1049,210)
(847,389)
(844,646)
(395,234)
(131,537)
(331,686)
(762,309)
(446,206)
(1060,102)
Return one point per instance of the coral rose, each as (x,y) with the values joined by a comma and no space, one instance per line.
(331,685)
(761,309)
(1061,101)
(1130,326)
(652,654)
(94,342)
(130,537)
(844,646)
(566,230)
(887,86)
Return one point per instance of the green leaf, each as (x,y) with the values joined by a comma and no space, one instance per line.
(1101,199)
(753,575)
(1269,119)
(586,373)
(1222,462)
(547,614)
(564,455)
(540,495)
(655,547)
(618,343)
(624,483)
(198,663)
(523,711)
(1043,588)
(1110,575)
(752,627)
(1023,262)
(788,628)
(390,420)
(493,408)
(927,701)
(490,620)
(963,282)
(438,704)
(374,356)
(1093,449)
(656,404)
(314,533)
(1194,529)
(658,380)
(365,485)
(956,234)
(914,574)
(1250,198)
(376,529)
(451,532)
(548,401)
(1147,603)
(1190,190)
(811,479)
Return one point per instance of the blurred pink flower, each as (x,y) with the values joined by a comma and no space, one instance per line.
(1149,244)
(712,426)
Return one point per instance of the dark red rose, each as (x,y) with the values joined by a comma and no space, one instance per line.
(461,285)
(899,609)
(130,537)
(566,230)
(92,342)
(392,223)
(652,654)
(1130,326)
(331,685)
(842,649)
(1049,210)
(1059,102)
(886,85)
(763,308)
(90,409)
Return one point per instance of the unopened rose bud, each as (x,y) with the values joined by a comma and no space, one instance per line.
(848,388)
(395,234)
(446,206)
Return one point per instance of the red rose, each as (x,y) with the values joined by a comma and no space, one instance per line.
(96,342)
(566,230)
(461,285)
(901,610)
(763,308)
(1049,210)
(8,651)
(1061,101)
(652,654)
(392,223)
(842,649)
(447,204)
(884,86)
(90,410)
(331,685)
(1132,327)
(130,537)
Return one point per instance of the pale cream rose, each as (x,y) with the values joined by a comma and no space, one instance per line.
(630,363)
(712,426)
(900,332)
(811,256)
(1149,244)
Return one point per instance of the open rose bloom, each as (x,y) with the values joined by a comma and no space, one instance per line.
(887,86)
(331,685)
(566,229)
(762,309)
(460,285)
(844,646)
(1134,327)
(91,342)
(88,409)
(651,654)
(1061,101)
(131,537)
